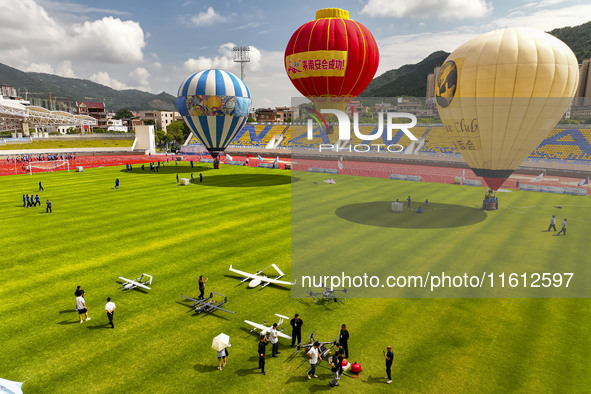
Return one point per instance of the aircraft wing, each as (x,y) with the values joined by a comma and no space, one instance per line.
(221,309)
(275,281)
(252,276)
(256,325)
(189,298)
(126,280)
(279,333)
(140,285)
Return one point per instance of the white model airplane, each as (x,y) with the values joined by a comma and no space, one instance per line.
(256,279)
(266,330)
(137,282)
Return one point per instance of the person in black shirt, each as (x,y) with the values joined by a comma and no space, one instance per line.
(344,340)
(202,287)
(389,357)
(79,292)
(262,349)
(296,331)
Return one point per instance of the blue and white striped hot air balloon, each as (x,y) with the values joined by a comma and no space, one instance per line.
(215,105)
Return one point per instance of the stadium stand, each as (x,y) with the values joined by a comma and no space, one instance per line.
(571,145)
(437,143)
(566,145)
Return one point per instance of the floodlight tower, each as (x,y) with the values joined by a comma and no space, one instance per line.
(241,55)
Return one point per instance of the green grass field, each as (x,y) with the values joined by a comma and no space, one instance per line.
(69,144)
(241,216)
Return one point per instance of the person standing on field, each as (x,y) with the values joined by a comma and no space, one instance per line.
(552,223)
(389,355)
(81,308)
(563,228)
(110,308)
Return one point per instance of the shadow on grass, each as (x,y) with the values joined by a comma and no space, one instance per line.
(375,379)
(245,180)
(168,170)
(248,371)
(66,322)
(98,327)
(320,387)
(205,368)
(67,311)
(297,379)
(379,214)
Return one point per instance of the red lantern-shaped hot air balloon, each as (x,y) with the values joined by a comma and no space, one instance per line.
(331,59)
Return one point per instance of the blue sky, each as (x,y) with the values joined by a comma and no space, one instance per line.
(154,45)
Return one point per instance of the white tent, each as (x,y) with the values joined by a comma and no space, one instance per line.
(10,387)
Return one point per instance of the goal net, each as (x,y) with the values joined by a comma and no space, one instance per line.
(50,165)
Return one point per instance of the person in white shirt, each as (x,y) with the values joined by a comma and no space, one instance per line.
(274,341)
(81,308)
(552,223)
(314,359)
(563,228)
(110,308)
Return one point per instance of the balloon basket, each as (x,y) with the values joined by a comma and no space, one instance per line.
(216,164)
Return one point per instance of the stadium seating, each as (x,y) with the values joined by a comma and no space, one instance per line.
(572,145)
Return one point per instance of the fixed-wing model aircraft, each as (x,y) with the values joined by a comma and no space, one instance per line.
(256,279)
(137,282)
(208,304)
(267,329)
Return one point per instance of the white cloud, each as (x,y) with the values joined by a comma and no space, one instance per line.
(28,30)
(45,68)
(224,60)
(139,78)
(544,19)
(104,78)
(264,75)
(63,69)
(207,18)
(424,9)
(109,40)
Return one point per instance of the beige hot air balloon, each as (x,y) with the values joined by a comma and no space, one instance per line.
(501,93)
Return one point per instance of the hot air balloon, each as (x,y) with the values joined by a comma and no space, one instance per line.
(501,93)
(215,105)
(331,59)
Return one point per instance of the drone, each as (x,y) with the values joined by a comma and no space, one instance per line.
(256,279)
(327,294)
(208,304)
(324,348)
(267,329)
(137,282)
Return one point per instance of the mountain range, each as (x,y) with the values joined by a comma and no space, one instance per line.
(408,80)
(39,85)
(411,79)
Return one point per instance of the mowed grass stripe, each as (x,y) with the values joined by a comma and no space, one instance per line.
(177,233)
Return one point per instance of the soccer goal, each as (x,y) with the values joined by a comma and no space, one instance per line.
(50,165)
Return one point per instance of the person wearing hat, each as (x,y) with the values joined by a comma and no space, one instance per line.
(274,341)
(314,359)
(262,349)
(296,331)
(389,355)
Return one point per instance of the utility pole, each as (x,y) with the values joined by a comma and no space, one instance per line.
(241,55)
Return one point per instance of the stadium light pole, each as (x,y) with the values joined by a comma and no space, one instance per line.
(241,55)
